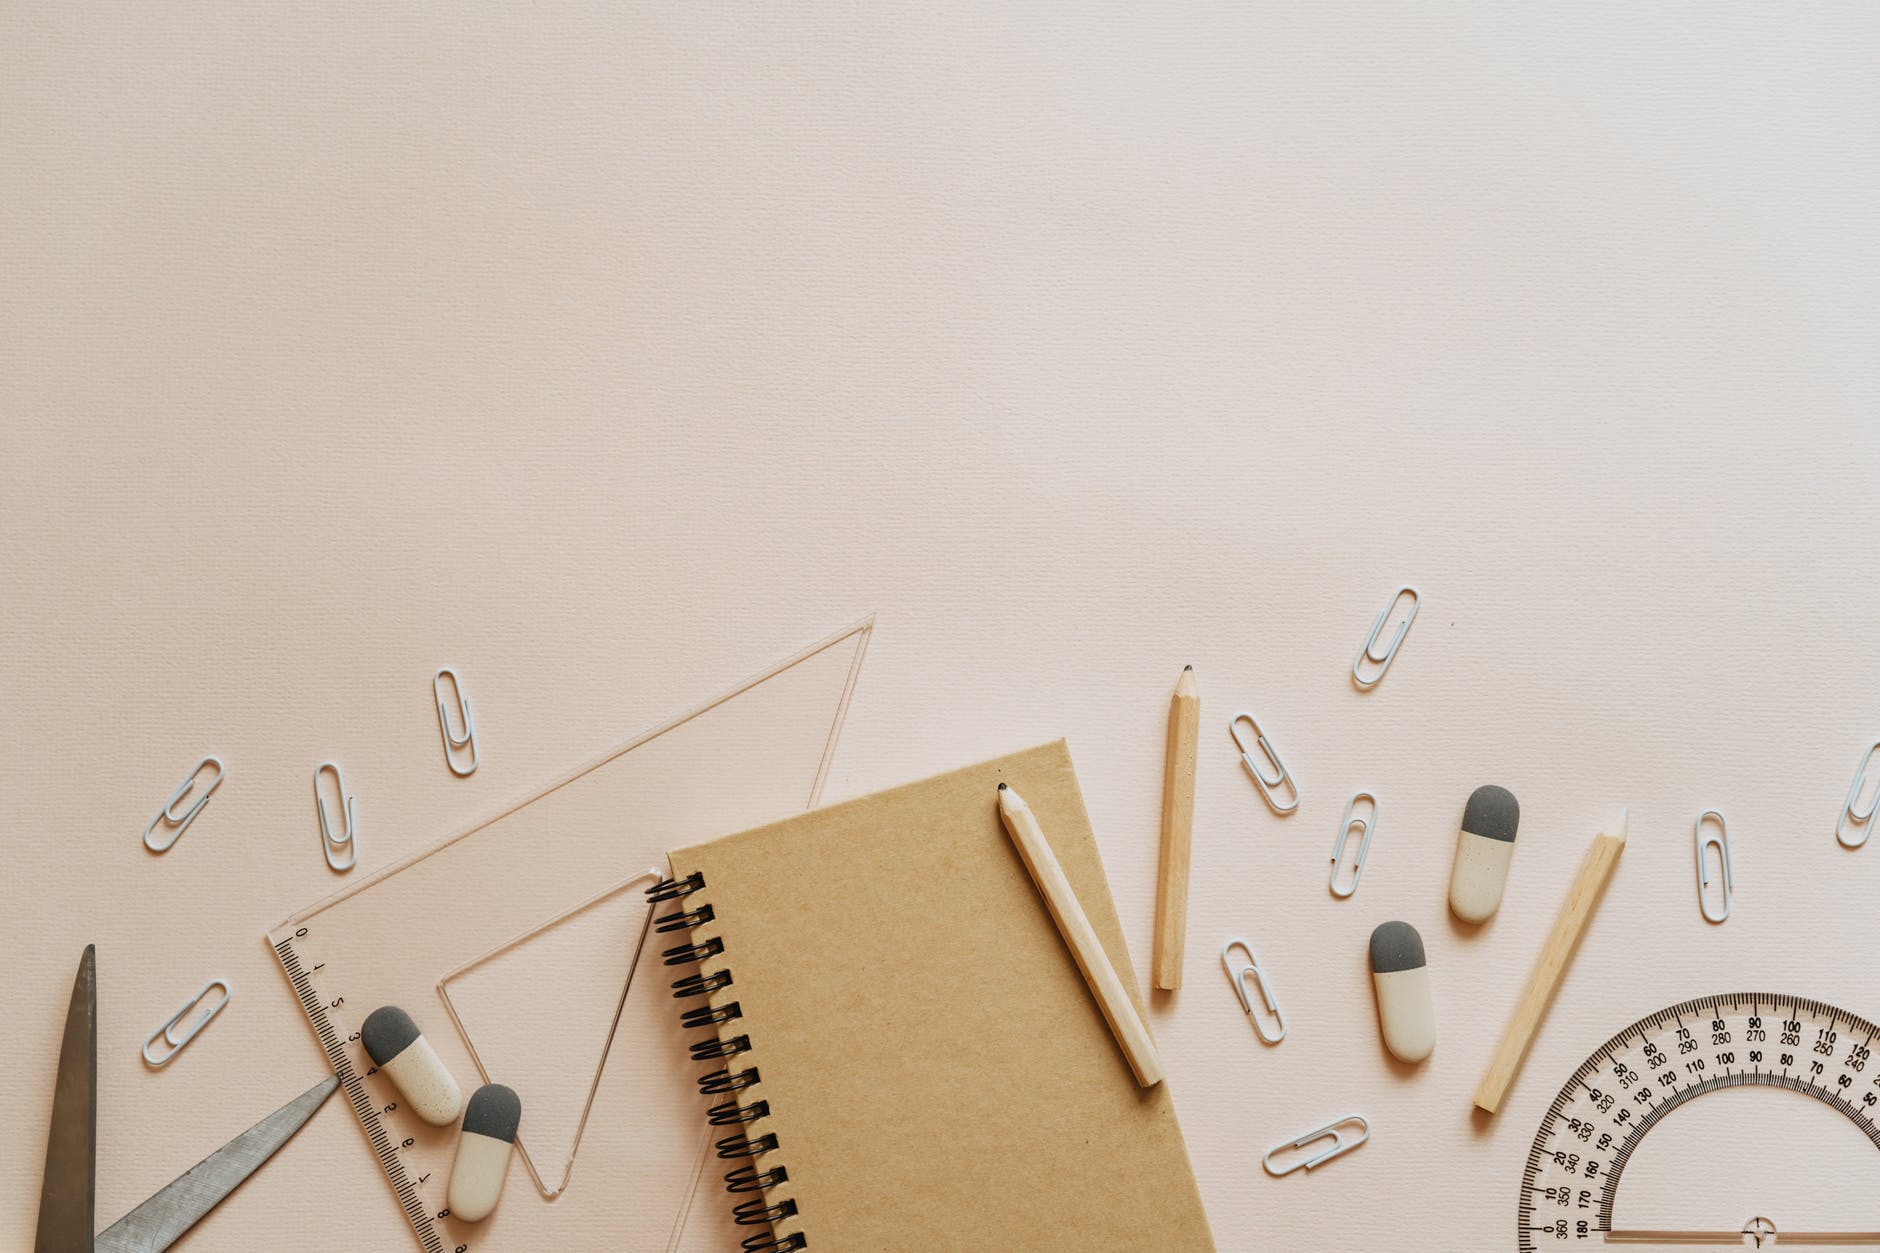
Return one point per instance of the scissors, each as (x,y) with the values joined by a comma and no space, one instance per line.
(66,1214)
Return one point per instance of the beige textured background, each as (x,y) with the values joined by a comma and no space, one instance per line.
(613,352)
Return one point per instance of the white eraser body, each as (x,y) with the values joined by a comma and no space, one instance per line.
(476,1177)
(1406,1012)
(426,1084)
(1479,875)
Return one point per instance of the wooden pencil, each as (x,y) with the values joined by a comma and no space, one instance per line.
(1105,984)
(1178,829)
(1595,871)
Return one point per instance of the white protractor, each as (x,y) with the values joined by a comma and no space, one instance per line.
(1749,1120)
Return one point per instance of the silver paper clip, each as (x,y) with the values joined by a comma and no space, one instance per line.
(1365,823)
(1721,842)
(1382,661)
(451,743)
(168,817)
(328,841)
(1339,1145)
(1260,778)
(167,1032)
(1239,975)
(1851,811)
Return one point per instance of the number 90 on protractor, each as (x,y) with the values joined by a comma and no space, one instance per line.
(1748,1120)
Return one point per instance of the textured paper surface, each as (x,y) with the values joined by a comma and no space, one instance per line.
(936,1070)
(607,352)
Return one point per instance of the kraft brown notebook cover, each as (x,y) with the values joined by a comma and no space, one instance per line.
(895,1007)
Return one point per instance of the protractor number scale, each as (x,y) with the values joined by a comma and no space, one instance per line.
(415,1162)
(1577,1163)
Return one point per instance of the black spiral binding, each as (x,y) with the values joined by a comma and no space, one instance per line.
(727,1081)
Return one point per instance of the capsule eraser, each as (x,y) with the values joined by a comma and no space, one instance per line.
(398,1048)
(1405,1012)
(1484,847)
(489,1133)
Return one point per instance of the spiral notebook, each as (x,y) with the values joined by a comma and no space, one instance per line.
(896,1046)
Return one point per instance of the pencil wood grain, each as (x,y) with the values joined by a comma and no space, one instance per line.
(1178,825)
(1584,895)
(1105,984)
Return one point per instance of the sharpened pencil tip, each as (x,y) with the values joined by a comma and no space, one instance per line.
(1002,787)
(1188,667)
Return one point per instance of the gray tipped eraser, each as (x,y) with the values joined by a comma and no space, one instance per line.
(1406,1013)
(1492,812)
(1484,847)
(482,1163)
(494,1111)
(387,1032)
(1395,946)
(398,1048)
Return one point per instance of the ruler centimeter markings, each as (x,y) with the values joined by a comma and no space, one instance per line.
(388,1150)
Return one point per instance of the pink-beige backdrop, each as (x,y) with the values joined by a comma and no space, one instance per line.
(612,353)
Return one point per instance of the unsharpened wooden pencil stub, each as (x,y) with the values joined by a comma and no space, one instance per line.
(1577,910)
(1178,827)
(1105,984)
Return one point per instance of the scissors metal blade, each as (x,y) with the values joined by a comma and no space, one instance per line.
(161,1221)
(66,1195)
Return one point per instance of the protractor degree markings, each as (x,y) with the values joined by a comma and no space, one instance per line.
(1555,1173)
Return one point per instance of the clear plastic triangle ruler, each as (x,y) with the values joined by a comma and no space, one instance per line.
(519,949)
(1748,1120)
